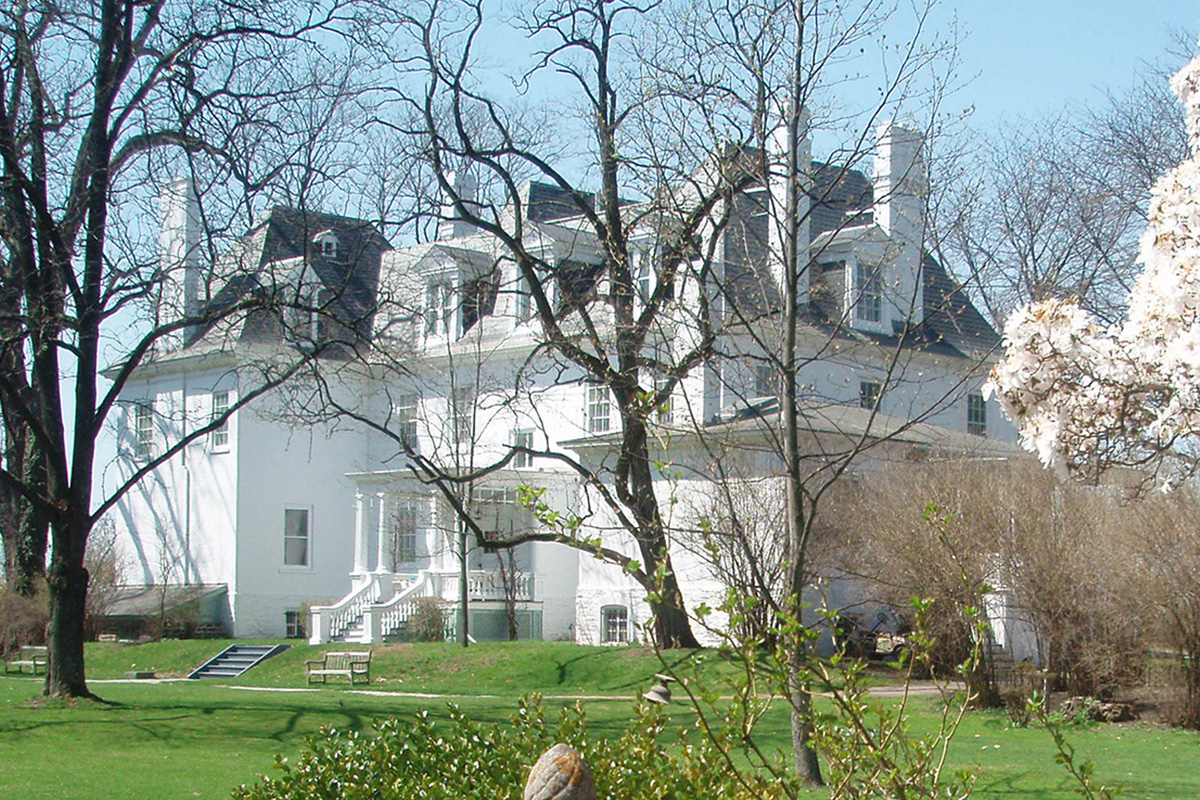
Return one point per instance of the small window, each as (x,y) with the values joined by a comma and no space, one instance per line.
(665,411)
(219,435)
(523,460)
(868,285)
(479,299)
(462,415)
(976,415)
(407,411)
(404,536)
(295,537)
(327,244)
(868,394)
(576,283)
(599,408)
(764,380)
(143,428)
(293,624)
(614,624)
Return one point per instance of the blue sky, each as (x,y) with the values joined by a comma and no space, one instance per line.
(1033,58)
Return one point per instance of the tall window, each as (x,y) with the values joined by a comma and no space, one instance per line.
(463,413)
(665,411)
(599,408)
(407,409)
(868,283)
(404,536)
(524,304)
(868,394)
(614,624)
(439,308)
(295,537)
(976,415)
(764,380)
(143,428)
(219,436)
(522,460)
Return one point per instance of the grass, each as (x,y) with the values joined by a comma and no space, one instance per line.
(510,668)
(199,739)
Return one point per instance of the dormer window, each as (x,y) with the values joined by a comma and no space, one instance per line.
(326,244)
(868,294)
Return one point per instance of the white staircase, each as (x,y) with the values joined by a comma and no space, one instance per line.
(364,617)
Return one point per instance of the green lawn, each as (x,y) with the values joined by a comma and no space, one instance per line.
(199,739)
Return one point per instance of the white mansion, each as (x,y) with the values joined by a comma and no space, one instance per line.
(319,525)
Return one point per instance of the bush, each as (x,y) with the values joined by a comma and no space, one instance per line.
(428,620)
(467,760)
(22,619)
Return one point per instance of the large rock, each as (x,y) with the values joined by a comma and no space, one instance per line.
(1098,711)
(560,774)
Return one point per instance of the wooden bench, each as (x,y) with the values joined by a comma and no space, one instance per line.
(352,665)
(34,658)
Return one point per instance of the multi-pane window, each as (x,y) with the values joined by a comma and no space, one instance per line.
(479,299)
(463,413)
(293,623)
(521,459)
(868,394)
(295,537)
(764,380)
(976,415)
(404,535)
(407,410)
(143,428)
(614,624)
(868,283)
(219,435)
(439,308)
(665,412)
(599,408)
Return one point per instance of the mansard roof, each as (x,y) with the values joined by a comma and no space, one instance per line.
(281,249)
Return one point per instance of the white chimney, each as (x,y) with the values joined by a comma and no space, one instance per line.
(901,192)
(179,242)
(451,225)
(778,146)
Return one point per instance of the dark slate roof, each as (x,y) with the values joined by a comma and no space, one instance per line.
(287,233)
(839,197)
(545,202)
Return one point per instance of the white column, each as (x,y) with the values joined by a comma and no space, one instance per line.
(360,530)
(381,559)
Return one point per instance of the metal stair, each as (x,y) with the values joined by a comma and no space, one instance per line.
(236,659)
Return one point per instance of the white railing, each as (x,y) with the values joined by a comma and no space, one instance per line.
(384,619)
(329,622)
(484,585)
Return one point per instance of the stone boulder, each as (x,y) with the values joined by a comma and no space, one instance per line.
(560,774)
(1098,711)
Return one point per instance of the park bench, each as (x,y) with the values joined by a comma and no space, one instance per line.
(34,658)
(352,665)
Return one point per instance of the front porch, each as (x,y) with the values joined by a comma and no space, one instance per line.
(409,545)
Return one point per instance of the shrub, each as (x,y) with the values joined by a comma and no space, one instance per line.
(22,619)
(428,620)
(467,760)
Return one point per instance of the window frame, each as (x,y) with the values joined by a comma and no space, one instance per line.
(522,437)
(976,414)
(599,408)
(870,393)
(307,562)
(408,414)
(868,293)
(293,624)
(219,437)
(406,520)
(142,426)
(618,633)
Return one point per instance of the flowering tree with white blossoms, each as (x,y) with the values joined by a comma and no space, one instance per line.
(1087,397)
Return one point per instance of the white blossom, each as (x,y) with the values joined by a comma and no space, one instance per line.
(1086,397)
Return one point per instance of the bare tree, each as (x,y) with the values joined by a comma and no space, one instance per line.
(97,101)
